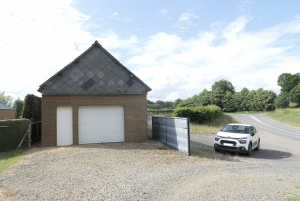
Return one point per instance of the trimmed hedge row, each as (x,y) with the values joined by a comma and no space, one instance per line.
(12,132)
(199,114)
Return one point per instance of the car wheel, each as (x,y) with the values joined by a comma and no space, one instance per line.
(249,149)
(217,150)
(258,146)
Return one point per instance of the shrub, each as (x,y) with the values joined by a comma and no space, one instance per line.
(11,136)
(32,108)
(200,114)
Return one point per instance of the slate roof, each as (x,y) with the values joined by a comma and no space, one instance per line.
(5,107)
(95,71)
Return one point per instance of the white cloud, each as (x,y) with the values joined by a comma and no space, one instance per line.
(111,41)
(38,38)
(186,20)
(114,14)
(163,12)
(175,67)
(244,7)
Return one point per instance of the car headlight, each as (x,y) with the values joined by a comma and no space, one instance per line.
(217,138)
(243,140)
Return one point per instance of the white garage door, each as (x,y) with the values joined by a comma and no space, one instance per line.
(100,124)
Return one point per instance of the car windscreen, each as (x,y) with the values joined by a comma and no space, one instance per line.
(236,129)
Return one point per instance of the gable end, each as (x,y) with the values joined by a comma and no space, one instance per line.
(95,71)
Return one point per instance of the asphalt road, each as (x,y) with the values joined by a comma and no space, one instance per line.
(264,124)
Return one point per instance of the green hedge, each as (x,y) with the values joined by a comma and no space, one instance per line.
(11,136)
(200,114)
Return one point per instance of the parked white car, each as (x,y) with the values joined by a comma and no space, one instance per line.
(240,138)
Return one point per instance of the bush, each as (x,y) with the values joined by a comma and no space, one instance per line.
(32,108)
(11,136)
(200,114)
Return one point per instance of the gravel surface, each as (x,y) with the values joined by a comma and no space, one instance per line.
(152,171)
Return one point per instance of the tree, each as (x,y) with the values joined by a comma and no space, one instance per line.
(288,81)
(186,103)
(149,102)
(154,106)
(264,100)
(294,95)
(224,86)
(240,99)
(168,104)
(7,100)
(269,100)
(282,100)
(18,106)
(177,101)
(248,102)
(219,90)
(229,103)
(32,108)
(205,97)
(217,97)
(161,103)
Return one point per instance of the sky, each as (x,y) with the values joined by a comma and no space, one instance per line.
(177,47)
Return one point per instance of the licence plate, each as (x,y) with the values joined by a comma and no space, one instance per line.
(228,144)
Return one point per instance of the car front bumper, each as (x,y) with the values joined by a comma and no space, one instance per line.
(238,149)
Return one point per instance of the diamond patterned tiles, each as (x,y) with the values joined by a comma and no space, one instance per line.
(94,72)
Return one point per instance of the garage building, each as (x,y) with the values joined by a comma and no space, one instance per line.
(94,99)
(6,112)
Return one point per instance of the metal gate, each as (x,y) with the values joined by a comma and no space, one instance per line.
(172,131)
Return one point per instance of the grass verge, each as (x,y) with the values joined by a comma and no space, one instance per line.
(290,116)
(9,158)
(293,198)
(214,127)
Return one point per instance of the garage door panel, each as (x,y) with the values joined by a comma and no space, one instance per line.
(100,139)
(105,137)
(99,124)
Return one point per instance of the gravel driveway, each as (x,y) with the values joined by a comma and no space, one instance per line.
(152,171)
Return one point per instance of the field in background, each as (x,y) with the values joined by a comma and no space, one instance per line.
(214,127)
(290,116)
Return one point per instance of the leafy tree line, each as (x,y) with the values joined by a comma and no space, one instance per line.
(159,104)
(224,95)
(30,108)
